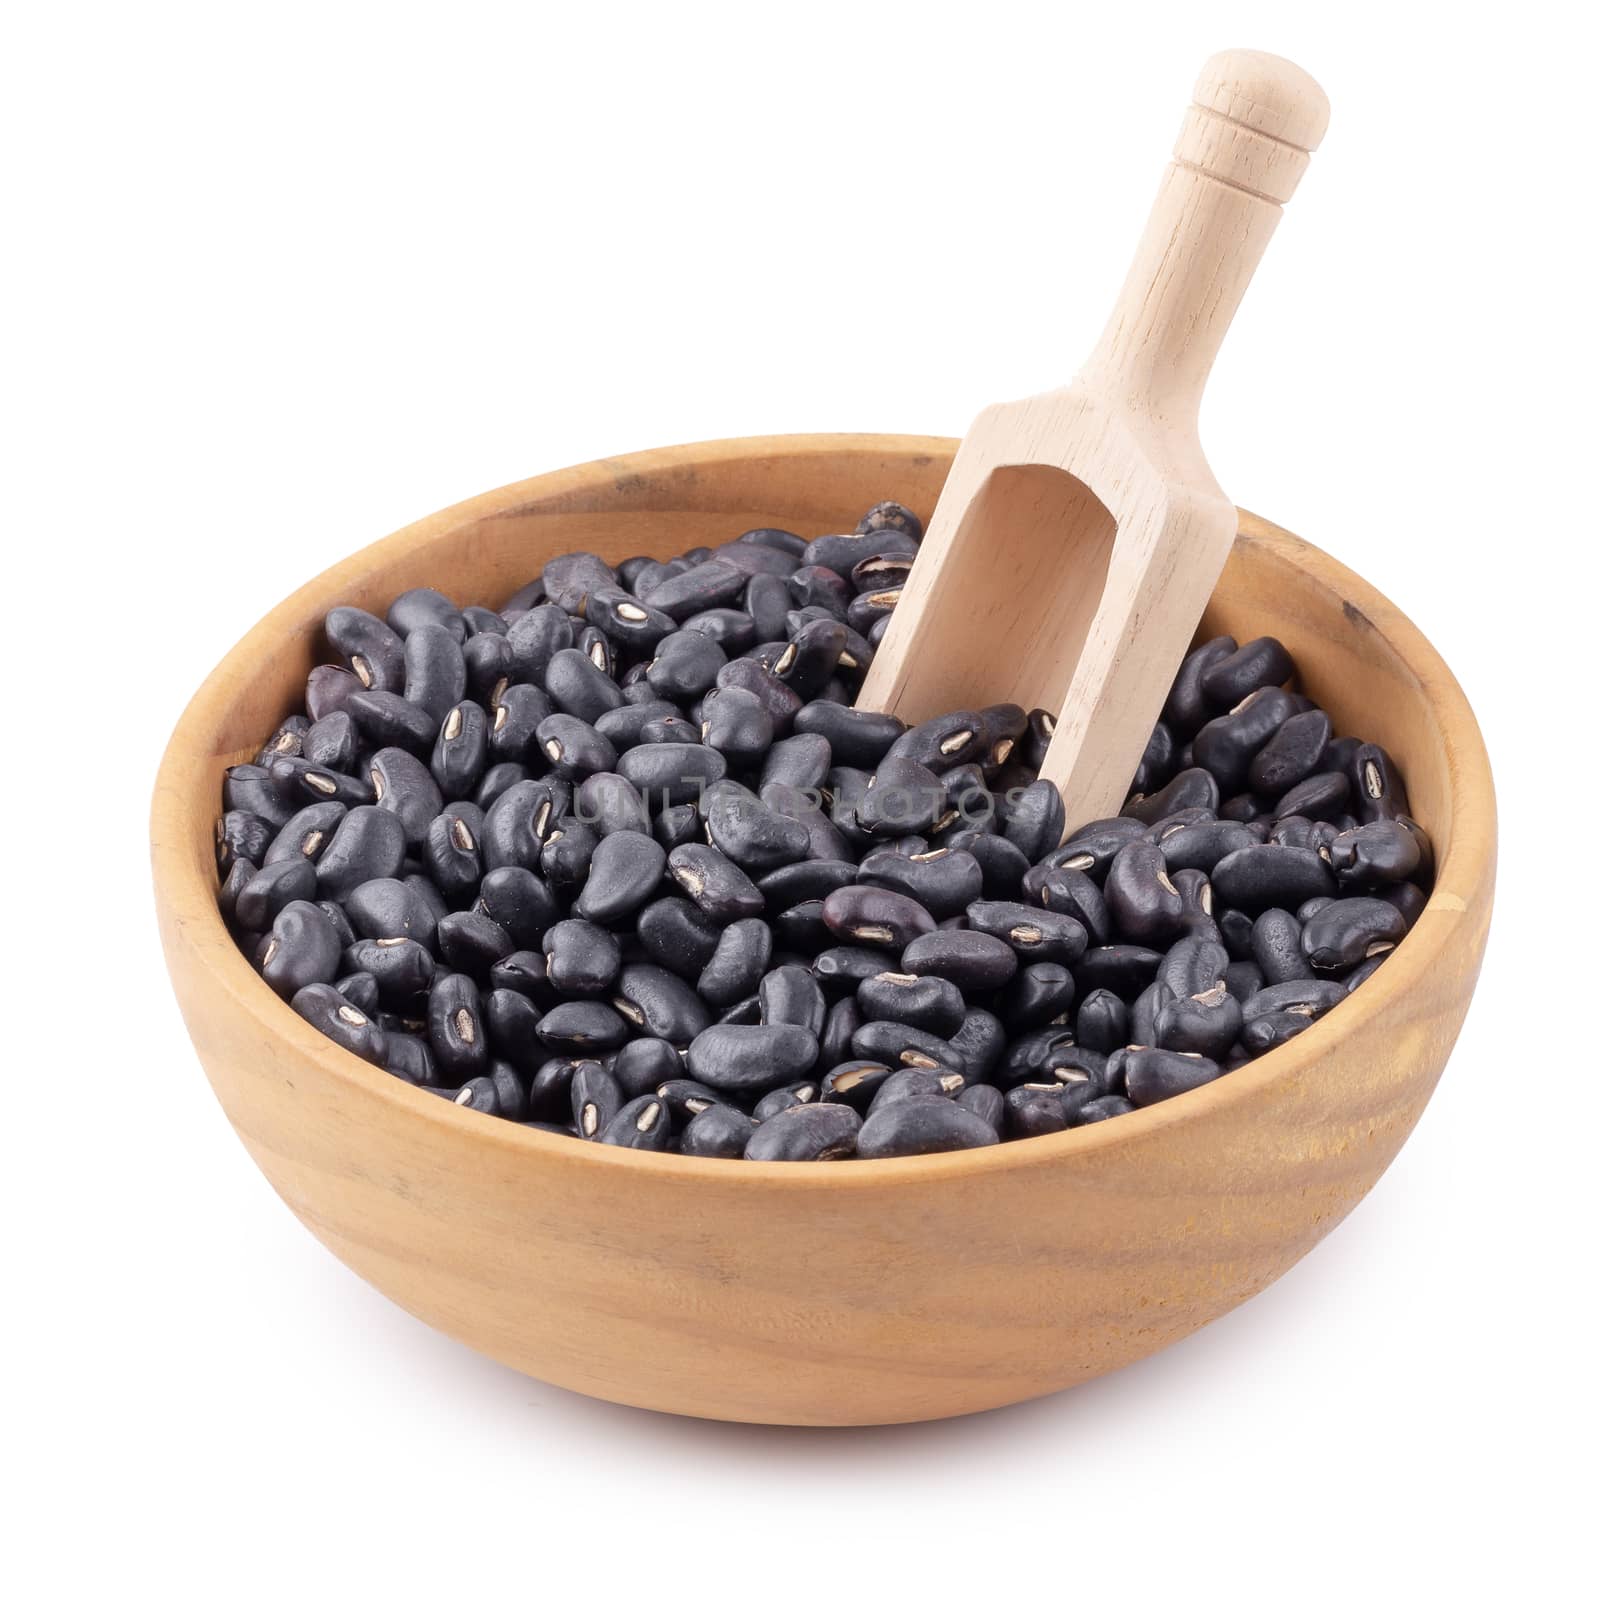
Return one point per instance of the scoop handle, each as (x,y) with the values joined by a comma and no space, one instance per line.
(1243,146)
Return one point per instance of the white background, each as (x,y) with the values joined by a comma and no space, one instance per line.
(280,279)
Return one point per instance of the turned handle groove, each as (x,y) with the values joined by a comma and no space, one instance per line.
(1242,148)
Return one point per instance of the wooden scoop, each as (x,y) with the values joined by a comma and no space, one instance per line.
(1080,532)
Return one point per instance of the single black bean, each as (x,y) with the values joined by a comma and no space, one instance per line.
(1323,795)
(1203,1024)
(1374,855)
(408,1057)
(1260,664)
(1192,789)
(269,890)
(332,742)
(658,1002)
(974,962)
(1102,1021)
(719,1131)
(642,1124)
(550,1089)
(491,666)
(513,1023)
(372,649)
(328,689)
(301,949)
(1310,997)
(452,853)
(879,918)
(751,1060)
(923,1125)
(822,1132)
(1275,944)
(854,1083)
(575,1026)
(596,1098)
(456,1032)
(717,885)
(1153,1075)
(401,784)
(334,1016)
(1187,708)
(1227,745)
(792,994)
(734,971)
(1125,969)
(1273,1028)
(1090,850)
(384,718)
(1344,934)
(1266,875)
(419,608)
(1103,1109)
(933,1005)
(368,843)
(1035,820)
(1039,994)
(624,873)
(897,1045)
(517,824)
(402,968)
(472,943)
(1380,792)
(1036,934)
(388,908)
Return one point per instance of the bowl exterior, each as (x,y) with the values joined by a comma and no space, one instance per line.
(850,1293)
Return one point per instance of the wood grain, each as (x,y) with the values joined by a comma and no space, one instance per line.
(847,1293)
(1080,531)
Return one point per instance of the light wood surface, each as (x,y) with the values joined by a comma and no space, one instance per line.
(1081,531)
(866,1292)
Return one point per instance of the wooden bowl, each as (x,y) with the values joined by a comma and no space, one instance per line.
(881,1291)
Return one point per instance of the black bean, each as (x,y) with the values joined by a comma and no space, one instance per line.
(734,971)
(822,1132)
(250,789)
(750,833)
(368,843)
(1203,1024)
(384,718)
(491,666)
(923,1125)
(332,742)
(720,1131)
(933,1005)
(623,874)
(513,1023)
(1194,788)
(1291,755)
(1344,934)
(1374,855)
(804,880)
(1103,1109)
(879,918)
(1039,994)
(550,1089)
(597,1098)
(642,1124)
(517,824)
(498,780)
(402,968)
(1035,820)
(331,1014)
(419,608)
(1323,795)
(267,891)
(1311,997)
(1102,1021)
(387,908)
(1091,849)
(1407,899)
(1036,934)
(1186,708)
(1260,664)
(1125,969)
(792,994)
(328,689)
(472,943)
(1266,875)
(659,1003)
(242,836)
(898,1045)
(712,583)
(408,1057)
(452,854)
(372,649)
(456,1032)
(720,888)
(1153,1074)
(1379,791)
(974,962)
(301,949)
(1275,944)
(751,1060)
(403,786)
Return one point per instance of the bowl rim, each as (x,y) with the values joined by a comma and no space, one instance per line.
(187,899)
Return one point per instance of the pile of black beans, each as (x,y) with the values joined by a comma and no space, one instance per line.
(619,860)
